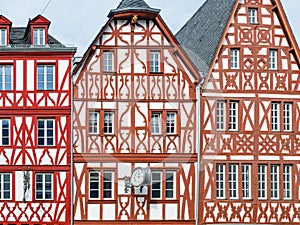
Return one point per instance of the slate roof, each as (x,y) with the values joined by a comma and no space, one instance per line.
(133,5)
(202,33)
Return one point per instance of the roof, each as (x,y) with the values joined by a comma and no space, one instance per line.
(133,5)
(202,33)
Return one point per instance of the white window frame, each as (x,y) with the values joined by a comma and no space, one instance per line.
(3,37)
(252,13)
(274,181)
(39,36)
(157,182)
(273,59)
(275,116)
(262,181)
(45,82)
(93,123)
(221,115)
(233,175)
(4,139)
(155,62)
(108,122)
(246,181)
(6,77)
(220,181)
(45,137)
(233,115)
(5,186)
(287,182)
(287,116)
(108,61)
(110,190)
(97,190)
(234,58)
(44,186)
(170,184)
(156,123)
(171,125)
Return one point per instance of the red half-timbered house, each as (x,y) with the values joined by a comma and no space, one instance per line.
(134,121)
(250,112)
(35,125)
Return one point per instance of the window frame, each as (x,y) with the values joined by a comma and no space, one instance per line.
(155,61)
(3,36)
(39,36)
(220,181)
(253,15)
(45,128)
(235,58)
(233,178)
(108,61)
(246,181)
(171,123)
(95,124)
(273,59)
(2,136)
(101,184)
(287,182)
(287,116)
(275,116)
(157,181)
(44,82)
(233,119)
(156,123)
(3,186)
(274,181)
(94,190)
(173,189)
(112,181)
(110,128)
(221,115)
(43,190)
(4,75)
(262,182)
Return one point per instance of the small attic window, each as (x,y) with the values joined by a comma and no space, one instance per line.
(3,37)
(38,36)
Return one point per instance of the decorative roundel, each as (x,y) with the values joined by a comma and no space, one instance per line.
(140,177)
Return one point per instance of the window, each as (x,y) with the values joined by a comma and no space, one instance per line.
(220,180)
(166,120)
(108,184)
(246,181)
(43,186)
(3,37)
(5,186)
(233,116)
(154,62)
(235,58)
(93,122)
(39,36)
(287,181)
(156,184)
(5,77)
(108,63)
(94,185)
(221,115)
(287,116)
(273,59)
(274,181)
(5,132)
(163,180)
(233,180)
(46,132)
(170,184)
(108,123)
(252,13)
(262,181)
(275,116)
(45,77)
(156,123)
(171,123)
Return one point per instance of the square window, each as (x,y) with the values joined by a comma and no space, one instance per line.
(171,123)
(43,186)
(108,61)
(6,77)
(5,186)
(93,122)
(252,13)
(108,126)
(45,132)
(45,77)
(5,132)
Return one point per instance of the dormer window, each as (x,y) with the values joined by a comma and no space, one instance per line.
(38,36)
(3,37)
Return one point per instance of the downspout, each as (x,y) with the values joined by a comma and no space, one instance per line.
(71,147)
(198,128)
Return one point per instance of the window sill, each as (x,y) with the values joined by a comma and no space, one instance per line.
(159,73)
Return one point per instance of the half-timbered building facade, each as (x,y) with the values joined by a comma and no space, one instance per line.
(250,112)
(35,125)
(134,121)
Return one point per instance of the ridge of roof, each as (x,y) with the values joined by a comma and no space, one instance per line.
(202,33)
(133,5)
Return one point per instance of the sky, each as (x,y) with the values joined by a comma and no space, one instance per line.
(77,22)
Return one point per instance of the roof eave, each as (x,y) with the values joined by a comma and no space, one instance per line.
(114,12)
